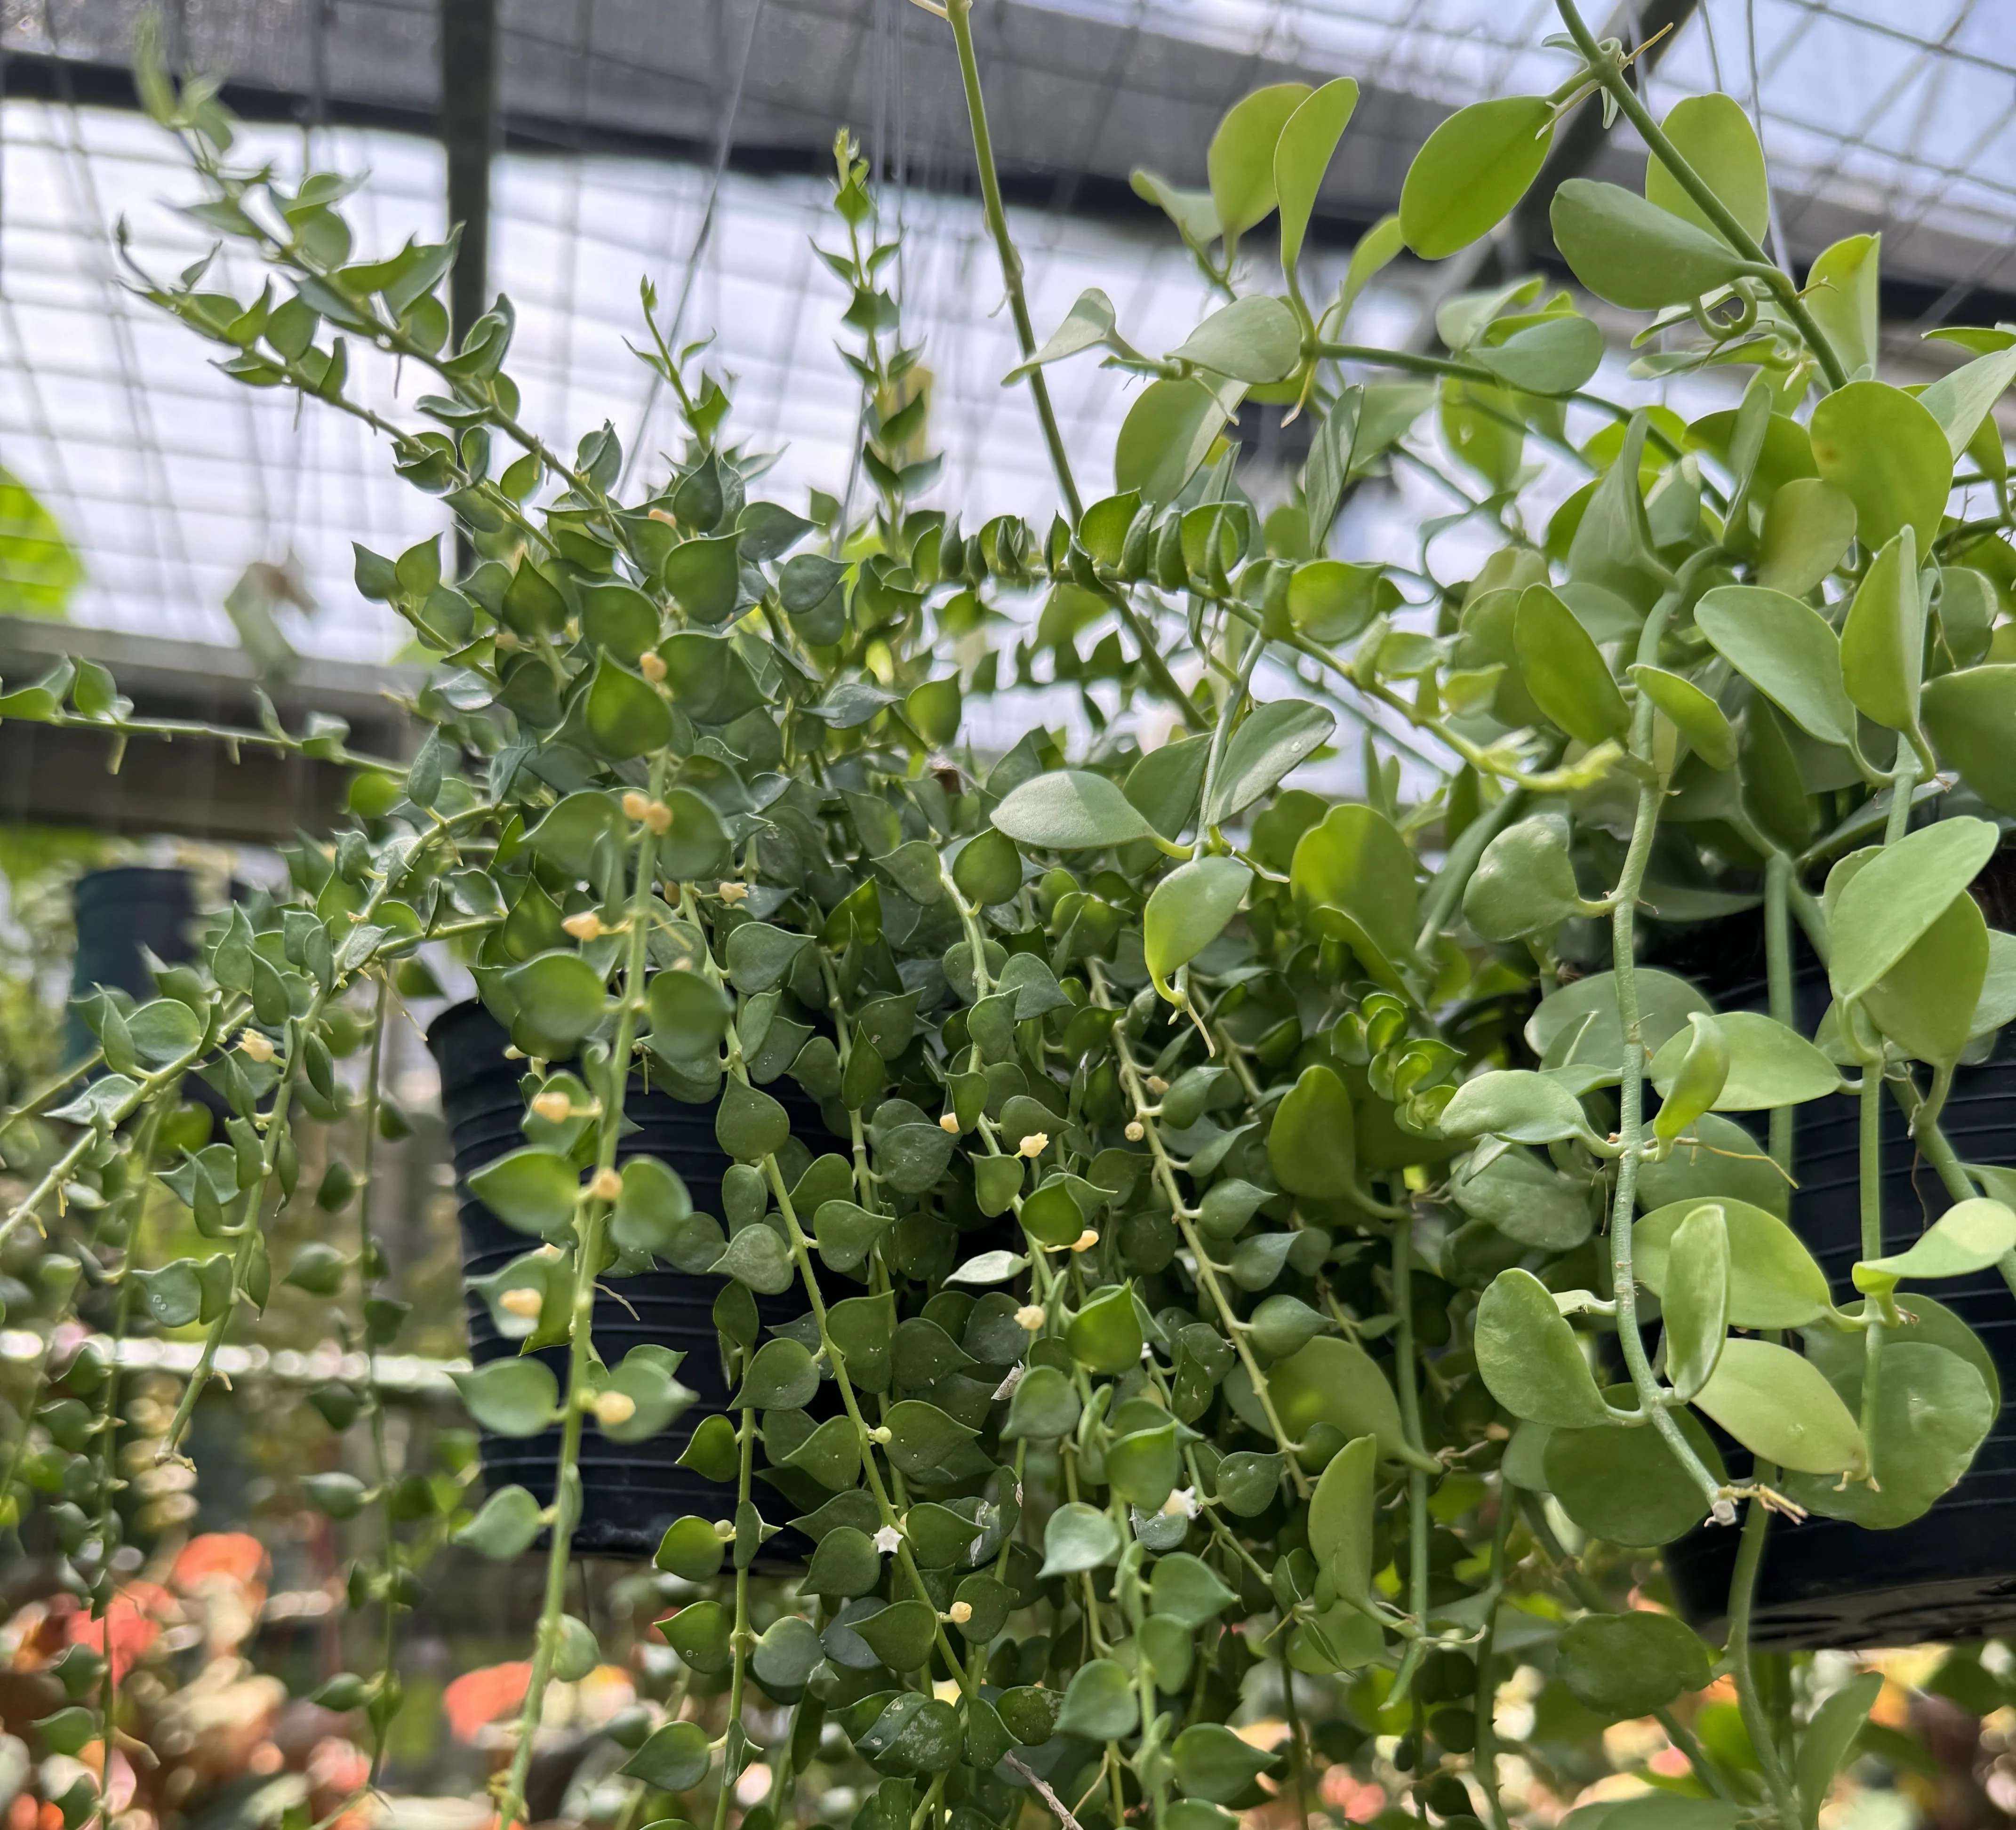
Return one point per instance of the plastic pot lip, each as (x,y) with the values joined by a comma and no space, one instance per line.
(137,882)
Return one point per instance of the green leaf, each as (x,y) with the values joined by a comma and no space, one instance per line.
(1926,1002)
(1631,1664)
(674,1758)
(1962,401)
(1105,1335)
(1071,810)
(914,1735)
(923,1438)
(1565,670)
(1968,716)
(704,576)
(1255,339)
(1695,1299)
(902,1634)
(1627,1486)
(1143,1467)
(1842,294)
(1213,1762)
(1807,529)
(1077,1536)
(1335,1382)
(1777,1405)
(1883,451)
(1691,712)
(1787,651)
(575,1651)
(1632,252)
(1272,740)
(1340,1517)
(1087,325)
(1892,901)
(1557,355)
(750,1125)
(1517,1104)
(1187,910)
(1933,1410)
(1241,157)
(691,1550)
(511,1397)
(1883,637)
(1698,1073)
(780,1376)
(1774,1282)
(760,956)
(695,845)
(1045,1405)
(1713,133)
(651,1209)
(1191,211)
(1354,865)
(1526,1198)
(1471,171)
(845,1565)
(559,995)
(1099,1704)
(39,569)
(532,1189)
(1186,1589)
(1531,1360)
(757,1258)
(699,1633)
(1167,433)
(1302,155)
(1769,1064)
(1311,1146)
(1523,884)
(1823,1749)
(624,714)
(583,833)
(1970,1236)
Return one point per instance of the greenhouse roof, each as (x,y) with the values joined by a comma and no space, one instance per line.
(682,139)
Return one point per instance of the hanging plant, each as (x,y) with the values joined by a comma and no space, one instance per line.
(1251,1245)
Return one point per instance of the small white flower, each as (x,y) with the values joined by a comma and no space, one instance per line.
(1029,1318)
(888,1539)
(1182,1503)
(1033,1145)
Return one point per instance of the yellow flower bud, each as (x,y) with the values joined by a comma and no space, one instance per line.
(658,817)
(651,666)
(1033,1145)
(882,1433)
(1135,1131)
(526,1302)
(949,1123)
(634,804)
(1156,1085)
(1029,1318)
(585,925)
(614,1407)
(734,892)
(553,1106)
(1085,1240)
(507,641)
(255,1046)
(960,1612)
(607,1185)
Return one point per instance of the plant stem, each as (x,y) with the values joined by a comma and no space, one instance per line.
(1610,75)
(1484,1760)
(367,1257)
(589,1227)
(1406,1379)
(1742,1593)
(1631,1088)
(959,12)
(1778,976)
(733,1743)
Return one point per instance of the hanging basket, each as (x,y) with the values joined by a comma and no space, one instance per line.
(1951,1574)
(630,1492)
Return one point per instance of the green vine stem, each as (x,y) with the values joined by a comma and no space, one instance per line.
(589,1224)
(959,13)
(1407,1379)
(1778,978)
(1652,1399)
(1484,1758)
(734,1740)
(1133,1083)
(368,1263)
(1742,1594)
(1609,72)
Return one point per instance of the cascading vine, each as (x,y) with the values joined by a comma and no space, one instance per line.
(1202,1299)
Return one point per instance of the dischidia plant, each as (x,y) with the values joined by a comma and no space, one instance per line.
(1232,1193)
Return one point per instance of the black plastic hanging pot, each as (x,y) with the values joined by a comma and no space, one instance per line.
(118,912)
(1949,1575)
(631,1492)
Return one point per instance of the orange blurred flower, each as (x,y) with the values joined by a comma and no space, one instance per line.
(482,1696)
